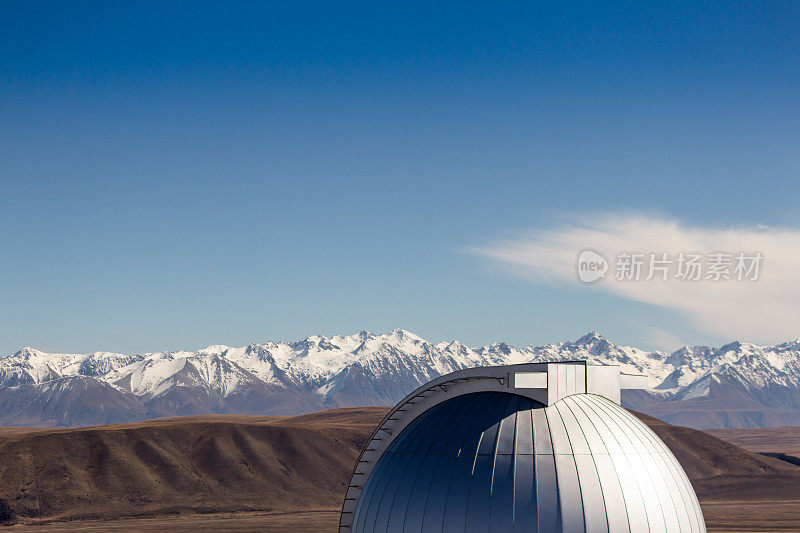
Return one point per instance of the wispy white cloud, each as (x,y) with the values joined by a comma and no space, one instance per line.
(766,310)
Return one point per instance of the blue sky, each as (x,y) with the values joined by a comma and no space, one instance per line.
(174,175)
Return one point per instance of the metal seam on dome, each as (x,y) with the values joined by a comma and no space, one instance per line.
(514,470)
(510,404)
(410,492)
(465,414)
(678,485)
(624,457)
(694,501)
(582,406)
(576,404)
(455,469)
(400,491)
(454,423)
(491,410)
(587,402)
(592,399)
(506,508)
(579,492)
(488,434)
(399,461)
(520,430)
(667,457)
(683,485)
(581,479)
(465,436)
(620,420)
(658,459)
(698,515)
(446,430)
(475,459)
(438,429)
(453,461)
(475,423)
(492,462)
(556,521)
(566,406)
(654,479)
(392,462)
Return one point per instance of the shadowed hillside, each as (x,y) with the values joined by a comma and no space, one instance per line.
(197,464)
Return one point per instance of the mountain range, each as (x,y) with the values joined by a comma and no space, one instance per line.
(736,385)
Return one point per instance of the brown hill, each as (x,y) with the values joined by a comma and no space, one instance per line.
(221,463)
(193,464)
(775,440)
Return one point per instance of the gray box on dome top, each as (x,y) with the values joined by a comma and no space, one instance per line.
(532,447)
(549,382)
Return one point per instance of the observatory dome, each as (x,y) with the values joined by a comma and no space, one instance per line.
(481,454)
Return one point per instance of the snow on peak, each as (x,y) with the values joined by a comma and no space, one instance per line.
(398,359)
(594,343)
(402,334)
(591,338)
(698,389)
(27,352)
(215,349)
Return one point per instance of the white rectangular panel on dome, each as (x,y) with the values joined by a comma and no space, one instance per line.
(632,381)
(565,379)
(530,380)
(603,381)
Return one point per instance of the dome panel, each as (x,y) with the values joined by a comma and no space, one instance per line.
(497,461)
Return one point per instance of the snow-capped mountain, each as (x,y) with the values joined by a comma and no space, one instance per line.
(749,384)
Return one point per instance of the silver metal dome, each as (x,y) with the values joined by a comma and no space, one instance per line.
(477,453)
